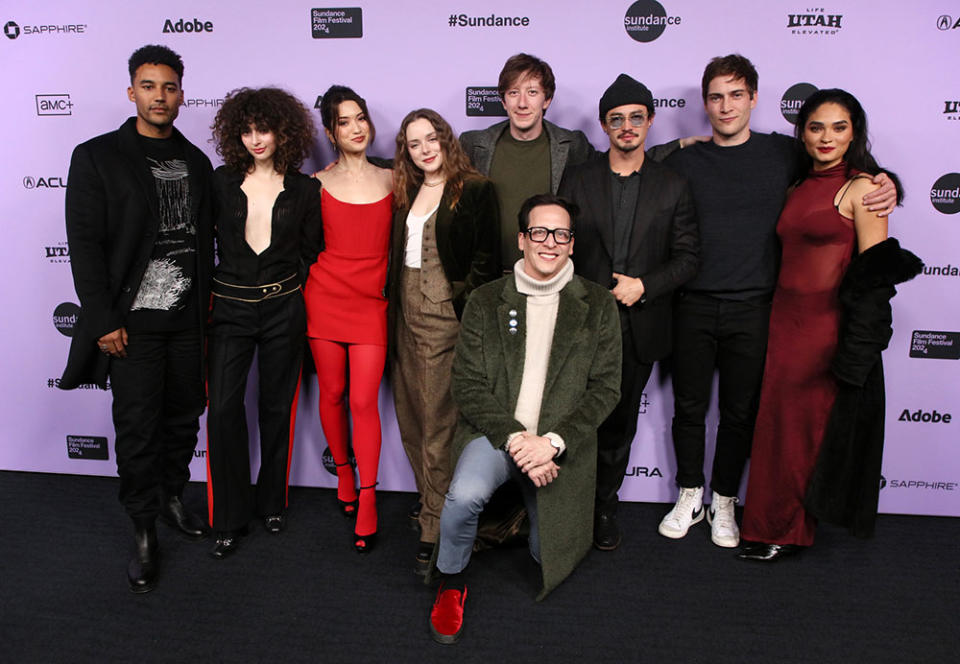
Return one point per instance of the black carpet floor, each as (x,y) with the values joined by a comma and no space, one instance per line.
(305,596)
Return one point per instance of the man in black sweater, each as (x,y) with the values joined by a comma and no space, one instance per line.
(739,181)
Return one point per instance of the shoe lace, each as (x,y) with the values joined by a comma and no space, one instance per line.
(723,512)
(685,503)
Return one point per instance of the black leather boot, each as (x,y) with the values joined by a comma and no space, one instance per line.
(143,567)
(189,524)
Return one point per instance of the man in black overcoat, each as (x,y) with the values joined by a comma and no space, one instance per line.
(638,236)
(139,225)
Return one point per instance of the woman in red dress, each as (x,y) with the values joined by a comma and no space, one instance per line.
(346,306)
(824,227)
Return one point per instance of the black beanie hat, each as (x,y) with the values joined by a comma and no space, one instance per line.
(625,90)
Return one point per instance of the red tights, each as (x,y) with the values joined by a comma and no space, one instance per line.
(365,363)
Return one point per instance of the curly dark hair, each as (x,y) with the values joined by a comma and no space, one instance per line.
(456,165)
(267,109)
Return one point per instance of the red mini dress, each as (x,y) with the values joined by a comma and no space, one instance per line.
(344,293)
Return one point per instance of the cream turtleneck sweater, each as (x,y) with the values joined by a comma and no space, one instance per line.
(543,299)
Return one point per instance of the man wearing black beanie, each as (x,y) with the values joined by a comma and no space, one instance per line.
(637,235)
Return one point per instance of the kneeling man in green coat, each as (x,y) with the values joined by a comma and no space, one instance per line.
(537,370)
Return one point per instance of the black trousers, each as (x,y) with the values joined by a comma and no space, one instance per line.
(731,336)
(157,401)
(615,435)
(275,329)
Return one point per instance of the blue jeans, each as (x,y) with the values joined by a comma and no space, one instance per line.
(481,469)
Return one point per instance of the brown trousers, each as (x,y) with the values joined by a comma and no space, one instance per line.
(426,414)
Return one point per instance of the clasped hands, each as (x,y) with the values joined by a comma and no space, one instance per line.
(534,456)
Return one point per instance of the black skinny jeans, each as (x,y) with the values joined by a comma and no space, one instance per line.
(731,336)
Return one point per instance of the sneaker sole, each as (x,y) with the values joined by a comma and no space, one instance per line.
(678,534)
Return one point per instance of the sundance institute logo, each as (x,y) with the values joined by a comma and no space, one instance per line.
(793,99)
(646,20)
(945,194)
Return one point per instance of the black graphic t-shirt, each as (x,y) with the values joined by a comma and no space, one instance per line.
(165,299)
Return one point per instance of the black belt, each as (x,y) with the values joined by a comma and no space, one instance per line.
(258,293)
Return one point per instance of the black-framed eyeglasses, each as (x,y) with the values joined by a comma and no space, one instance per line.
(539,234)
(636,119)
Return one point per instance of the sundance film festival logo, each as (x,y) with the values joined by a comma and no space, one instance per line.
(336,23)
(484,101)
(793,99)
(30,182)
(946,22)
(57,253)
(935,345)
(88,447)
(945,194)
(54,104)
(65,318)
(646,20)
(814,21)
(12,30)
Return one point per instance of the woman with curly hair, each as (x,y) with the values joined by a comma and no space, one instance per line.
(346,306)
(446,242)
(268,232)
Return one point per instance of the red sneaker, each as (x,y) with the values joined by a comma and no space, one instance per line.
(446,618)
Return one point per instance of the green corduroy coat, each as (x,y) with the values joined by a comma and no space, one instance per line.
(582,387)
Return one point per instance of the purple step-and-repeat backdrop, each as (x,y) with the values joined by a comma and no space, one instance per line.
(64,63)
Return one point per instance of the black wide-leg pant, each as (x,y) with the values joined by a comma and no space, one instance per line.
(731,336)
(275,329)
(157,402)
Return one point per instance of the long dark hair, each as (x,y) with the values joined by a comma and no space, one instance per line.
(456,165)
(858,157)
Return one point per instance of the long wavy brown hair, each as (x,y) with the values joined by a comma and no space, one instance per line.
(456,165)
(267,109)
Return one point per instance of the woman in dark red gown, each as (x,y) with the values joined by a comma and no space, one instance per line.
(346,306)
(823,226)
